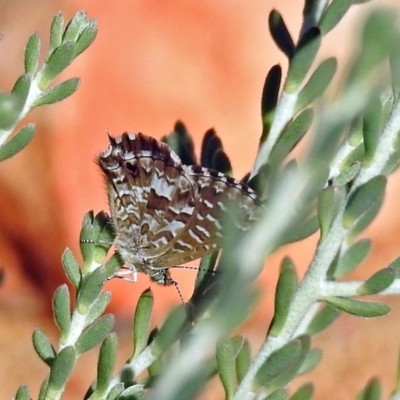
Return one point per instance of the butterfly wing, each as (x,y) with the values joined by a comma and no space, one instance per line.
(166,213)
(150,197)
(202,234)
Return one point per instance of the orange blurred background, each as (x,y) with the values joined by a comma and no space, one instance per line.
(153,63)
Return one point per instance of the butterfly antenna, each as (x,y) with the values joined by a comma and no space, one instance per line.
(197,269)
(185,305)
(179,292)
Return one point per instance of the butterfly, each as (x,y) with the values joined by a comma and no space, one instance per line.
(165,213)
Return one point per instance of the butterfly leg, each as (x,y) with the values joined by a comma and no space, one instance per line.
(127,274)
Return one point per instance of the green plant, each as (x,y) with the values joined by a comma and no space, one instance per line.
(337,187)
(31,90)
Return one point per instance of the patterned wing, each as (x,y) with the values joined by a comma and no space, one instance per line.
(150,197)
(202,233)
(166,213)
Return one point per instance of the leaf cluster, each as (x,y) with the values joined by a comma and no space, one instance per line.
(32,89)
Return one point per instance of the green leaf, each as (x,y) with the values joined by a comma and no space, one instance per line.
(365,309)
(279,394)
(205,275)
(221,162)
(113,265)
(355,137)
(116,391)
(95,334)
(302,230)
(269,98)
(387,101)
(278,363)
(158,366)
(75,27)
(364,221)
(105,238)
(43,389)
(364,198)
(20,140)
(106,364)
(210,146)
(349,172)
(90,289)
(314,356)
(280,34)
(96,238)
(395,265)
(171,330)
(225,359)
(243,360)
(290,136)
(61,57)
(60,371)
(373,391)
(88,237)
(62,310)
(352,258)
(283,379)
(259,182)
(237,344)
(22,393)
(182,143)
(56,31)
(328,205)
(304,392)
(309,193)
(317,84)
(380,46)
(285,289)
(372,127)
(10,108)
(187,387)
(322,320)
(375,48)
(98,307)
(57,93)
(71,268)
(135,392)
(303,57)
(32,54)
(395,73)
(326,143)
(43,347)
(86,38)
(377,282)
(333,14)
(141,322)
(21,90)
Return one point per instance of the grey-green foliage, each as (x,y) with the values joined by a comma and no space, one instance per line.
(337,187)
(285,289)
(372,391)
(32,89)
(344,168)
(225,360)
(22,393)
(82,326)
